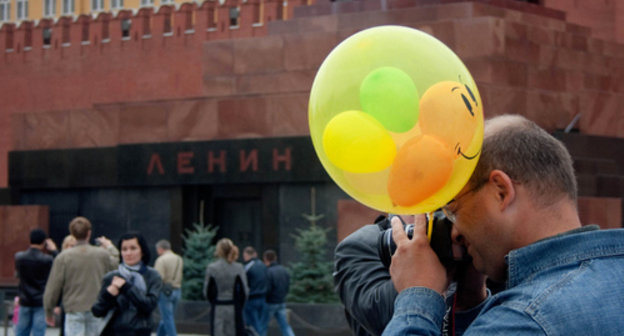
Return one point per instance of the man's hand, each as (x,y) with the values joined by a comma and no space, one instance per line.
(104,242)
(50,321)
(414,263)
(49,245)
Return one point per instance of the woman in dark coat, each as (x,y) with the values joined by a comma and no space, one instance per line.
(129,294)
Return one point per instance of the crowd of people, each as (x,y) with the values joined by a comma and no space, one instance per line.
(112,290)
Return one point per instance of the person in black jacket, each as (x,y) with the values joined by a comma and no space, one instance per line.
(362,282)
(129,294)
(255,308)
(33,267)
(278,282)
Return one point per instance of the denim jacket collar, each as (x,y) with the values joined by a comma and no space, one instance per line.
(566,248)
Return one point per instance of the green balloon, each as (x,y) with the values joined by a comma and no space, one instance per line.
(390,96)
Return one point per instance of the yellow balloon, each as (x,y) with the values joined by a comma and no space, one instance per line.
(389,55)
(356,142)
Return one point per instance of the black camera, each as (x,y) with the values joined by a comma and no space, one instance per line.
(441,242)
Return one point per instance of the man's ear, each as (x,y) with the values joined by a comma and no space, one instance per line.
(504,188)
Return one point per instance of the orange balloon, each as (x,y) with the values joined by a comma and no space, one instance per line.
(422,166)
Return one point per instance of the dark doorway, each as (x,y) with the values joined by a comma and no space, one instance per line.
(240,220)
(245,213)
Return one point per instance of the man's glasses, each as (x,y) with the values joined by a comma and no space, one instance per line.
(452,214)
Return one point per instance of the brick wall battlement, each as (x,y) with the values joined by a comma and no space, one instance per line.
(209,20)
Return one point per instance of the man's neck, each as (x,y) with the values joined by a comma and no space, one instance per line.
(550,221)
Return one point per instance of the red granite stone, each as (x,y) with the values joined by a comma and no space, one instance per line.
(547,78)
(352,216)
(46,130)
(364,20)
(552,110)
(499,99)
(243,118)
(17,131)
(292,81)
(458,10)
(289,114)
(547,56)
(412,15)
(218,57)
(515,30)
(575,80)
(600,82)
(143,123)
(541,35)
(498,70)
(307,52)
(443,31)
(15,224)
(603,211)
(93,128)
(601,113)
(214,86)
(522,51)
(571,59)
(262,55)
(190,120)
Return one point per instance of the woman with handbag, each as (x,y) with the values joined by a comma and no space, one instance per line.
(129,294)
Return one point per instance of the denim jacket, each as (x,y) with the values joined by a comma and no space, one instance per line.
(570,284)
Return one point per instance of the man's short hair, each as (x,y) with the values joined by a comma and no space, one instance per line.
(529,156)
(37,236)
(163,244)
(269,255)
(79,227)
(249,251)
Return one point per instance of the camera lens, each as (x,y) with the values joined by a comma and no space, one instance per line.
(440,240)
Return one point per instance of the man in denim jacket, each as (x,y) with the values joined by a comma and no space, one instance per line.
(518,219)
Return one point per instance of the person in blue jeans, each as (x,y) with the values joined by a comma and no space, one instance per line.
(169,265)
(255,307)
(278,282)
(518,218)
(33,267)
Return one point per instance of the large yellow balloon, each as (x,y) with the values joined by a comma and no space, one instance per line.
(425,112)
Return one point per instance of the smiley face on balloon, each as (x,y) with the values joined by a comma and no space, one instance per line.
(396,119)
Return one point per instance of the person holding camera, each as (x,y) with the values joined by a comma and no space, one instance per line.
(517,216)
(169,265)
(32,268)
(365,287)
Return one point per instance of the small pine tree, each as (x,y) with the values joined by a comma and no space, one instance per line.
(311,277)
(198,253)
